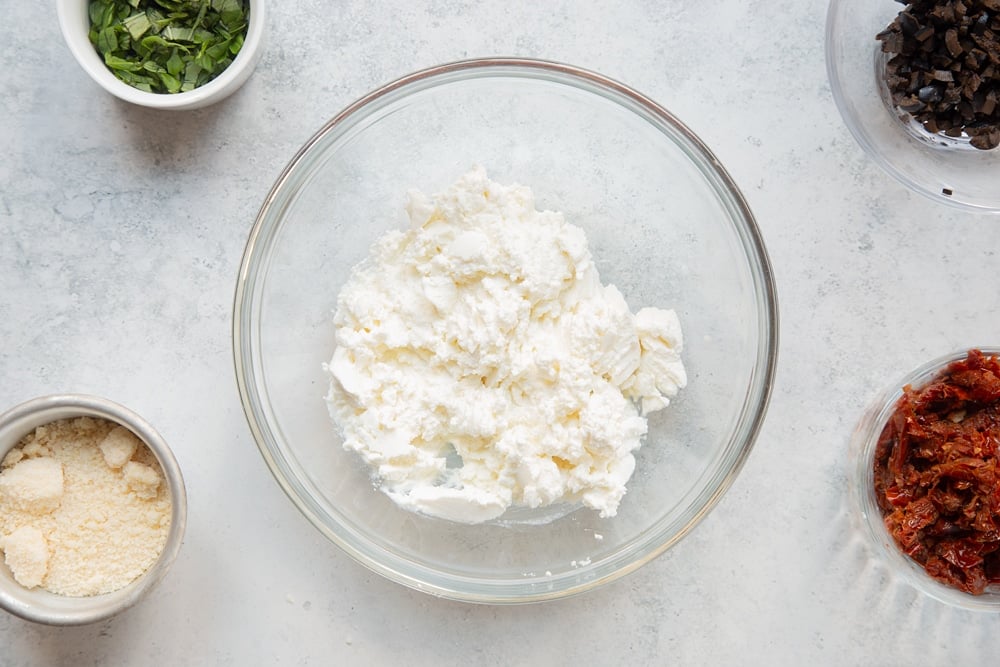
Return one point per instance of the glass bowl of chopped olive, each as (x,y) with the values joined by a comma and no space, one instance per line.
(93,509)
(919,89)
(925,479)
(458,330)
(165,54)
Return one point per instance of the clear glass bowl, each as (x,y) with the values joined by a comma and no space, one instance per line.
(862,455)
(946,170)
(666,224)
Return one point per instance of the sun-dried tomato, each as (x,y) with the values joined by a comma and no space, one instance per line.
(937,481)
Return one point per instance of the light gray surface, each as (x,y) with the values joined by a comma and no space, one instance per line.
(122,230)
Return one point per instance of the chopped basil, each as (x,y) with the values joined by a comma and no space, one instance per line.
(168,46)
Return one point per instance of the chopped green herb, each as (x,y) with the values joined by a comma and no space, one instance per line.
(137,24)
(168,46)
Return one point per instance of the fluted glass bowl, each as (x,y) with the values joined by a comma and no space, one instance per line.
(862,453)
(666,225)
(949,171)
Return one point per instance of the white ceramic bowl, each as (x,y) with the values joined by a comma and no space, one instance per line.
(75,24)
(42,606)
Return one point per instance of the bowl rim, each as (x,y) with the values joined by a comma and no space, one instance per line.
(32,605)
(761,382)
(223,85)
(861,452)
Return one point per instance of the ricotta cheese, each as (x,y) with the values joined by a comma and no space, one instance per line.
(480,363)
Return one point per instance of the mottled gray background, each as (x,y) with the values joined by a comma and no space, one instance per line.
(120,235)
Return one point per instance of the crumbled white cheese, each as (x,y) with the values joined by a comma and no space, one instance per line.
(141,479)
(480,362)
(27,555)
(12,457)
(33,485)
(34,449)
(118,446)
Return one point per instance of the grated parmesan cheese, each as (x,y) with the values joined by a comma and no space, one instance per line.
(118,447)
(77,516)
(27,555)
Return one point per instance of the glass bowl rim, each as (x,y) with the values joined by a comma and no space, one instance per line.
(865,508)
(759,385)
